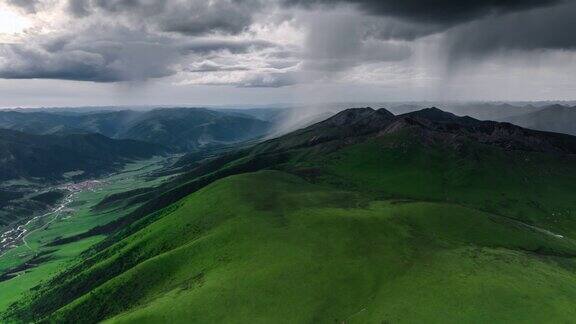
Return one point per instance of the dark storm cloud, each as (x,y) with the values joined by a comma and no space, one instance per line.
(194,17)
(29,6)
(200,17)
(470,28)
(99,62)
(90,53)
(123,55)
(442,12)
(542,29)
(134,40)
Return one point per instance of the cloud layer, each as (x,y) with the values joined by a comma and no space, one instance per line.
(275,43)
(442,12)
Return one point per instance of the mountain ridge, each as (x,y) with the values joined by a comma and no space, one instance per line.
(360,122)
(359,211)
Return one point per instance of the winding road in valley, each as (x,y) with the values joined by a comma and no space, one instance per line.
(18,233)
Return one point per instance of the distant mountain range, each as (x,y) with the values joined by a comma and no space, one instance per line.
(180,129)
(191,129)
(51,156)
(559,118)
(555,118)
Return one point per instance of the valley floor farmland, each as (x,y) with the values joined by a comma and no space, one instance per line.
(34,260)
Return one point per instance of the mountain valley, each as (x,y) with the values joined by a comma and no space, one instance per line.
(344,220)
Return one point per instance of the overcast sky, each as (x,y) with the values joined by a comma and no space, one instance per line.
(200,52)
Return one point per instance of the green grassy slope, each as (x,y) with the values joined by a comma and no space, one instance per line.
(390,231)
(297,252)
(531,187)
(380,229)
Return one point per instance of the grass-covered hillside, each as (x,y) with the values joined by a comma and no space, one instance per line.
(50,156)
(366,217)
